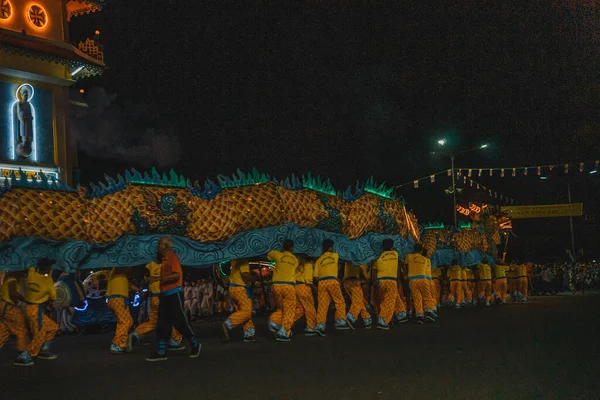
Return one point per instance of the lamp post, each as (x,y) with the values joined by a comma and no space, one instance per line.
(442,142)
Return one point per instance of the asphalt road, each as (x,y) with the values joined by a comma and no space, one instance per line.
(546,349)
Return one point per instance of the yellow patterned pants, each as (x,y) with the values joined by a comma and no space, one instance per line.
(243,309)
(357,307)
(420,290)
(436,287)
(118,306)
(500,288)
(469,290)
(391,302)
(523,286)
(43,328)
(329,290)
(305,305)
(511,284)
(150,325)
(485,290)
(12,321)
(285,303)
(456,292)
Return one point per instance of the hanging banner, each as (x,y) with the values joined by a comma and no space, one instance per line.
(543,211)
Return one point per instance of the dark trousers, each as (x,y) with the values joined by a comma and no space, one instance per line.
(171,314)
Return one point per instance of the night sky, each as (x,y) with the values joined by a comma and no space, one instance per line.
(352,92)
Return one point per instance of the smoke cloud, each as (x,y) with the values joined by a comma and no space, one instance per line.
(122,132)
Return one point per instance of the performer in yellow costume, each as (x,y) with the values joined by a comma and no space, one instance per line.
(12,320)
(522,283)
(485,282)
(456,294)
(511,281)
(283,289)
(305,302)
(117,294)
(39,295)
(419,277)
(470,291)
(387,278)
(436,278)
(352,284)
(501,284)
(240,290)
(326,269)
(150,325)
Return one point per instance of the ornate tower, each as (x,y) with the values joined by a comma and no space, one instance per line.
(37,65)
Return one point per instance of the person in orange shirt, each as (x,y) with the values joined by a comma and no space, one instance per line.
(39,295)
(170,308)
(240,290)
(153,269)
(392,305)
(326,269)
(284,292)
(12,320)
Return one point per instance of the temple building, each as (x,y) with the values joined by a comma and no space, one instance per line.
(38,64)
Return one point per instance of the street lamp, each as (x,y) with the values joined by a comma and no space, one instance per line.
(452,155)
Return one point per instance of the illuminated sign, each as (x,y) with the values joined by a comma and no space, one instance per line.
(37,16)
(23,122)
(5,10)
(462,210)
(31,172)
(544,211)
(26,125)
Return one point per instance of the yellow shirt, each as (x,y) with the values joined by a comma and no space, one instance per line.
(118,284)
(463,274)
(285,266)
(5,290)
(154,270)
(485,272)
(418,266)
(387,265)
(454,273)
(500,271)
(521,271)
(365,272)
(351,271)
(40,288)
(436,273)
(238,267)
(327,265)
(470,275)
(304,273)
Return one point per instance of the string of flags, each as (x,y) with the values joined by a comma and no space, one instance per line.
(468,173)
(513,170)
